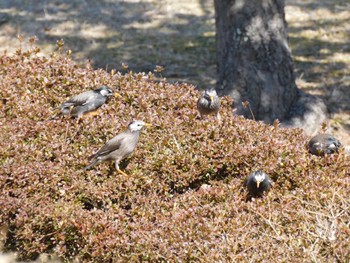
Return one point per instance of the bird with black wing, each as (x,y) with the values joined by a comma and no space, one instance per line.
(120,147)
(323,143)
(209,103)
(257,183)
(86,103)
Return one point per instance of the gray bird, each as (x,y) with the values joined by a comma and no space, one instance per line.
(120,147)
(257,183)
(209,103)
(86,102)
(322,144)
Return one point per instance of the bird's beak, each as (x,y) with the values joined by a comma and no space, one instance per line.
(148,125)
(116,94)
(258,184)
(212,98)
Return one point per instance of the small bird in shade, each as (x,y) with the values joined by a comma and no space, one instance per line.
(257,183)
(120,147)
(86,103)
(209,103)
(323,143)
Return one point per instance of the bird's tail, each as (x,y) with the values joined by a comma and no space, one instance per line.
(92,156)
(91,164)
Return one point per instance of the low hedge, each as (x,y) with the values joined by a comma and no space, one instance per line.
(184,199)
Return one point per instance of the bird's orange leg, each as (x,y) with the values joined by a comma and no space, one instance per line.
(93,113)
(120,171)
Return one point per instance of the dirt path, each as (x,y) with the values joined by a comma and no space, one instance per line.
(180,35)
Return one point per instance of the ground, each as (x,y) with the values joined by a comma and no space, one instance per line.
(180,36)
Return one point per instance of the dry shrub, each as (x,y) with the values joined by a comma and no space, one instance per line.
(184,198)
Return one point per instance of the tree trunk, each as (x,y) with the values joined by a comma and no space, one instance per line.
(254,61)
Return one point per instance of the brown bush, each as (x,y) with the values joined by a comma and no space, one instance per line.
(184,198)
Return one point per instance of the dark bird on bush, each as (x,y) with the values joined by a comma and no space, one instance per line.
(120,147)
(209,103)
(86,103)
(322,144)
(257,183)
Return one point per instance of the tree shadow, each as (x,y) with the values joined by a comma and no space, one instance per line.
(109,33)
(179,36)
(321,52)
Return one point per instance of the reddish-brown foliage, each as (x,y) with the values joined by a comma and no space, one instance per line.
(184,198)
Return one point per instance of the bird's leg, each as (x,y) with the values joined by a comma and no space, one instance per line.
(77,127)
(79,119)
(118,169)
(93,113)
(218,116)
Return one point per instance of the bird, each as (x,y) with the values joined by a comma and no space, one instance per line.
(209,103)
(86,103)
(120,147)
(323,143)
(257,183)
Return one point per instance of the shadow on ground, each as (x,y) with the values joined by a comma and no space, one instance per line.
(179,36)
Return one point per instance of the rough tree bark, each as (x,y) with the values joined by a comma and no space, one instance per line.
(255,64)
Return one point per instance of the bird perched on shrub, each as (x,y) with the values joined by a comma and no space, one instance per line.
(323,143)
(120,147)
(86,102)
(209,103)
(257,183)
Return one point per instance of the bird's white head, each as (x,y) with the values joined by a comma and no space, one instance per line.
(210,94)
(259,177)
(105,91)
(137,125)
